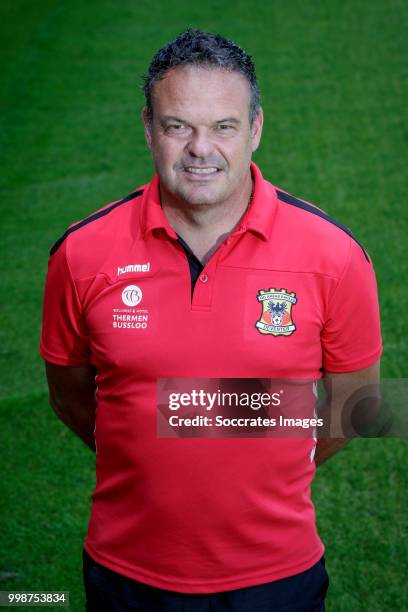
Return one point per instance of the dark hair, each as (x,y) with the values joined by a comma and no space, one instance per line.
(198,48)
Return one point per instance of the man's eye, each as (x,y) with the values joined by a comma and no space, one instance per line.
(224,127)
(176,127)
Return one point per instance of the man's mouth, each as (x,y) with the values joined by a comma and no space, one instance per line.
(195,170)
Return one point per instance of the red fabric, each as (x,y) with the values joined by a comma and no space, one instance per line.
(204,515)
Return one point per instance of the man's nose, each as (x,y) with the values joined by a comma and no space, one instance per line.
(200,144)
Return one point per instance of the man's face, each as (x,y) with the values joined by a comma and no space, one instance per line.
(201,139)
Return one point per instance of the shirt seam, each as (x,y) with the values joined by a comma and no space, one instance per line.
(339,280)
(226,584)
(359,364)
(81,307)
(281,270)
(57,359)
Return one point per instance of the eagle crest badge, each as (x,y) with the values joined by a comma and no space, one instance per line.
(276,316)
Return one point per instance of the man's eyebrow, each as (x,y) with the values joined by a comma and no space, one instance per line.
(229,120)
(168,118)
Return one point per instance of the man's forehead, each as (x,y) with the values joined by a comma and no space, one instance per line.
(189,88)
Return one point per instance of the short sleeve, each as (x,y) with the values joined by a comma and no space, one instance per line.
(64,335)
(351,337)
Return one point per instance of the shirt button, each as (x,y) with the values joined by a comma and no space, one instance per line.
(203,278)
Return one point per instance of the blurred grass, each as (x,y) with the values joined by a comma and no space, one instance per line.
(333,79)
(46,482)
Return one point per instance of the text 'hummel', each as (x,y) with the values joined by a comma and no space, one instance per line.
(134,268)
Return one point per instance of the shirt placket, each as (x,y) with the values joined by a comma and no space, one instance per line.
(202,295)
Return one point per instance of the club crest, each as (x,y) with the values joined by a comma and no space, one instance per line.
(276,316)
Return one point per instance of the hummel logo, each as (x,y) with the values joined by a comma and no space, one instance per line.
(134,268)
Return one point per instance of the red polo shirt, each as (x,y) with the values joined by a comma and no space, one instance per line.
(205,515)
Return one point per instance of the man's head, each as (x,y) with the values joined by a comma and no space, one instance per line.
(202,117)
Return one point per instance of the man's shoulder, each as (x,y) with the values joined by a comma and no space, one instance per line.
(316,232)
(88,244)
(100,223)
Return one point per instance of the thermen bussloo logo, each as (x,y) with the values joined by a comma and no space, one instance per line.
(276,317)
(132,295)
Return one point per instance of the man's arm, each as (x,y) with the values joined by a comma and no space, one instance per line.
(72,397)
(339,387)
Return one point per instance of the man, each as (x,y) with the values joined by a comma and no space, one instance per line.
(166,283)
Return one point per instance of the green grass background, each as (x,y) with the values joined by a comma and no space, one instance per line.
(333,77)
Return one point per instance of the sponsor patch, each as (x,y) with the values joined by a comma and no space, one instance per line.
(130,317)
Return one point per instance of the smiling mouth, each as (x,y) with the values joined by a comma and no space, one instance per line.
(201,171)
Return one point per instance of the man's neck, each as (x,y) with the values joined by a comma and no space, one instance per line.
(205,227)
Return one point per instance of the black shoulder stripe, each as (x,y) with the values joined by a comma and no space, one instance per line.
(290,199)
(93,217)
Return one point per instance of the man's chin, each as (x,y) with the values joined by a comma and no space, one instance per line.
(200,195)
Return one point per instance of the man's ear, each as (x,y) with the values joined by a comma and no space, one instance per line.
(256,130)
(147,128)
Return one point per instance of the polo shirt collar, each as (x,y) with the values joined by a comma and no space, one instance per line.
(152,215)
(258,218)
(261,212)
